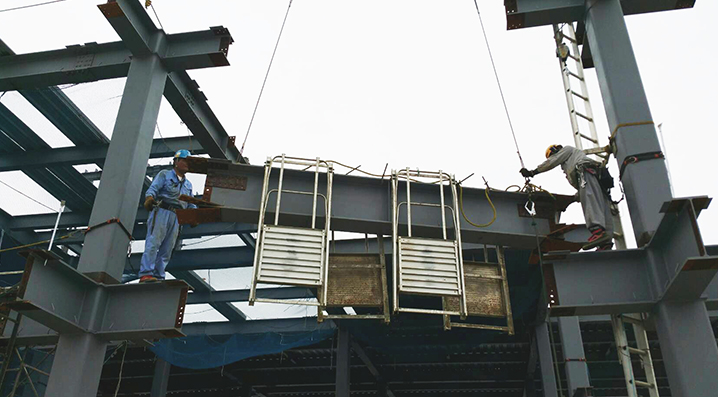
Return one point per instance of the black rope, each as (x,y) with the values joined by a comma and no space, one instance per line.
(496,74)
(259,98)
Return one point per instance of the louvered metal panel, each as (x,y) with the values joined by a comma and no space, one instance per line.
(291,256)
(429,267)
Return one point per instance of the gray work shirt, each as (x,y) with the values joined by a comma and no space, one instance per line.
(569,158)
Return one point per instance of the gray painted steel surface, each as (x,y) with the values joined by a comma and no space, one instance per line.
(574,356)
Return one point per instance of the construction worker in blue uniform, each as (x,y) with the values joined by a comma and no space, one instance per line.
(584,174)
(162,200)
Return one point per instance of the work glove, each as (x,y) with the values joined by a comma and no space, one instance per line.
(149,203)
(526,173)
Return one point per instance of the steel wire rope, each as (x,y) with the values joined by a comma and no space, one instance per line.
(51,209)
(122,365)
(264,83)
(498,82)
(32,5)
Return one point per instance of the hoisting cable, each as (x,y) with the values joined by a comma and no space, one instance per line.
(545,317)
(461,206)
(498,82)
(241,150)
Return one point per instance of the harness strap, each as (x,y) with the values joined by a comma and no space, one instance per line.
(639,157)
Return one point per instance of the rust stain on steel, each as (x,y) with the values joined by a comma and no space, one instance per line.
(199,215)
(197,165)
(111,10)
(181,307)
(354,280)
(225,180)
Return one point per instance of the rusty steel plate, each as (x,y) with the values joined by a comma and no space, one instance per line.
(484,296)
(354,280)
(226,180)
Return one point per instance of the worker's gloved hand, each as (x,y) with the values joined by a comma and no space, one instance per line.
(526,173)
(149,202)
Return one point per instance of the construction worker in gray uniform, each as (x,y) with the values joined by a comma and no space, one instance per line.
(584,174)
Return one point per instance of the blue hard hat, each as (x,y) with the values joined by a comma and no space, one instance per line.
(182,154)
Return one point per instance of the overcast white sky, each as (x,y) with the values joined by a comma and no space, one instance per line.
(407,83)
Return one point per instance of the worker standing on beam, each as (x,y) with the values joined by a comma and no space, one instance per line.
(593,184)
(162,200)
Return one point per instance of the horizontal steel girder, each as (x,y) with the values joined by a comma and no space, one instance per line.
(93,62)
(77,155)
(674,266)
(529,13)
(242,295)
(231,312)
(363,205)
(191,106)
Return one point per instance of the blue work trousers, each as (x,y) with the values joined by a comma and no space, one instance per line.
(162,231)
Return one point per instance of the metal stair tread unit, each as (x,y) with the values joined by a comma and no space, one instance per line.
(290,255)
(424,265)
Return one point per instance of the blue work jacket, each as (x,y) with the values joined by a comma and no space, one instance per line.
(167,187)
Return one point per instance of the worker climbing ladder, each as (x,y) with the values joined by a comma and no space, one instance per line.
(586,138)
(572,70)
(642,350)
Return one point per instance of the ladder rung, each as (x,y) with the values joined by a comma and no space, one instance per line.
(575,75)
(630,319)
(575,58)
(583,116)
(588,138)
(579,95)
(571,39)
(637,351)
(644,384)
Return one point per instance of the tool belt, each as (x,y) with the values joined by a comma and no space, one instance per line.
(605,180)
(168,207)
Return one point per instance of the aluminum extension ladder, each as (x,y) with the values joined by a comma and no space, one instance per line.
(642,351)
(427,266)
(288,255)
(570,54)
(588,142)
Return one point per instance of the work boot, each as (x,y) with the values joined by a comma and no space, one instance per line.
(599,237)
(605,247)
(147,279)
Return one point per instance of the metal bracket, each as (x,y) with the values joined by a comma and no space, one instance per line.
(57,296)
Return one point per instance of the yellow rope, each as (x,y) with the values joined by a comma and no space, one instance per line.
(40,242)
(461,207)
(615,130)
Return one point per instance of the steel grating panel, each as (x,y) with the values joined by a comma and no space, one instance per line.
(355,280)
(291,256)
(429,267)
(484,291)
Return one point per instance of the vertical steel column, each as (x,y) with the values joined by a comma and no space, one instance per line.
(688,347)
(79,357)
(545,352)
(573,355)
(343,363)
(646,183)
(77,366)
(161,378)
(684,331)
(118,196)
